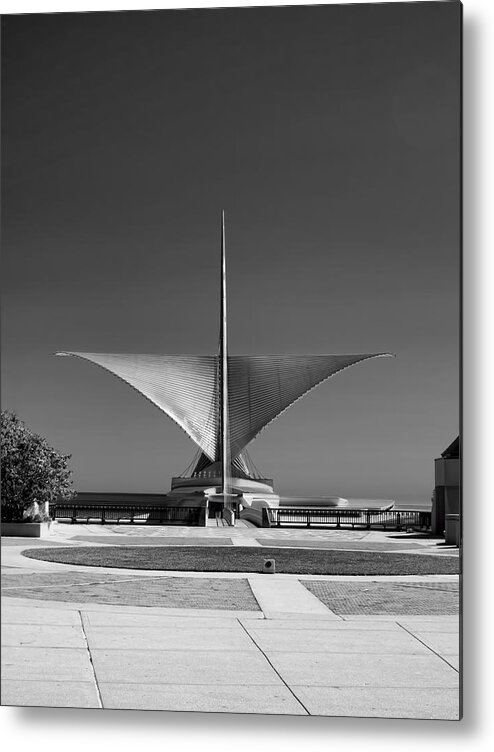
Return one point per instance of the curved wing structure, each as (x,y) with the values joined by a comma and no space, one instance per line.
(182,386)
(260,388)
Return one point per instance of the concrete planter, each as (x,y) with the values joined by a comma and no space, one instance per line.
(26,529)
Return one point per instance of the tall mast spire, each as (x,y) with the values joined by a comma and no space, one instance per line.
(225,434)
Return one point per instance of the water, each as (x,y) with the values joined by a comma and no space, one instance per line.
(421,505)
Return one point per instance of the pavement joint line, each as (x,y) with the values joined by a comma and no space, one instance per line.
(450,664)
(428,647)
(219,650)
(256,599)
(192,613)
(38,647)
(376,686)
(93,670)
(297,699)
(197,684)
(146,573)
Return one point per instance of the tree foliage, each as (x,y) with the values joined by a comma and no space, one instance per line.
(32,472)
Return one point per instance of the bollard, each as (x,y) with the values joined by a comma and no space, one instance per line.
(269,566)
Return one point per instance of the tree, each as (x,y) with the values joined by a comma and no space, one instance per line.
(32,472)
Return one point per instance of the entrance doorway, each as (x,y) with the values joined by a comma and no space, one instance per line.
(215,509)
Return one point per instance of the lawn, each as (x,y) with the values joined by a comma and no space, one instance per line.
(249,559)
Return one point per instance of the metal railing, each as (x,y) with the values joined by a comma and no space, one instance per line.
(116,513)
(393,519)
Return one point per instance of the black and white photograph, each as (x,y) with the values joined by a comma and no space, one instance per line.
(231,360)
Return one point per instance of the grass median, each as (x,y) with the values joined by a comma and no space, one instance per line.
(249,559)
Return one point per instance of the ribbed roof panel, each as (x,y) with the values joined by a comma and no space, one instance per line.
(262,387)
(183,386)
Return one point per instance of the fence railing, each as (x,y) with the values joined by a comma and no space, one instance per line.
(116,513)
(393,519)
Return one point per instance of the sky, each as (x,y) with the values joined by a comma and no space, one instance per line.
(330,135)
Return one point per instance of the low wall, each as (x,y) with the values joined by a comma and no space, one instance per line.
(25,529)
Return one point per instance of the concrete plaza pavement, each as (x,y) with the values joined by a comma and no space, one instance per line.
(292,655)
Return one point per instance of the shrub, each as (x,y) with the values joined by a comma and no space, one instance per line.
(33,473)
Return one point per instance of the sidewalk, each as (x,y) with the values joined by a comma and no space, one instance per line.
(291,655)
